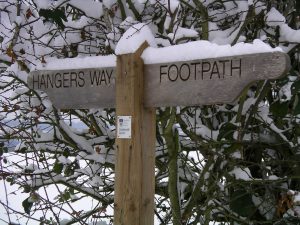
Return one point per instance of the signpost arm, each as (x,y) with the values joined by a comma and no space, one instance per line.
(135,157)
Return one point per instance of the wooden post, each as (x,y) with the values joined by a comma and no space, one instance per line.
(135,157)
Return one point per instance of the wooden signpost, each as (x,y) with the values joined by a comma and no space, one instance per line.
(185,83)
(135,90)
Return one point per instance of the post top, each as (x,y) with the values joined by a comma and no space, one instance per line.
(134,38)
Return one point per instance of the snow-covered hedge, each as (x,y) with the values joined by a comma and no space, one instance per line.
(236,164)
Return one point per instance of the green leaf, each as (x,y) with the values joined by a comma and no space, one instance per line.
(241,203)
(27,188)
(27,205)
(226,131)
(22,150)
(298,7)
(233,148)
(69,170)
(72,191)
(9,179)
(58,167)
(65,196)
(279,109)
(56,16)
(66,153)
(297,105)
(295,88)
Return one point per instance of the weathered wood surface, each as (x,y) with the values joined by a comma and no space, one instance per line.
(78,88)
(135,157)
(197,82)
(209,81)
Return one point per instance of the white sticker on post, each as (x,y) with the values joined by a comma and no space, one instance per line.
(124,127)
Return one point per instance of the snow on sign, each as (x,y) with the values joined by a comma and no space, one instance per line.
(183,83)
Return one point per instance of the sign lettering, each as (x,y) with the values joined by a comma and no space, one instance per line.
(203,70)
(73,79)
(186,83)
(209,81)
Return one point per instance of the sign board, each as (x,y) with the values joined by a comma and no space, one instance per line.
(209,81)
(77,88)
(186,83)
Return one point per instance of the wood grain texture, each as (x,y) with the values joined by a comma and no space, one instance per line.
(134,181)
(188,83)
(78,88)
(197,84)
